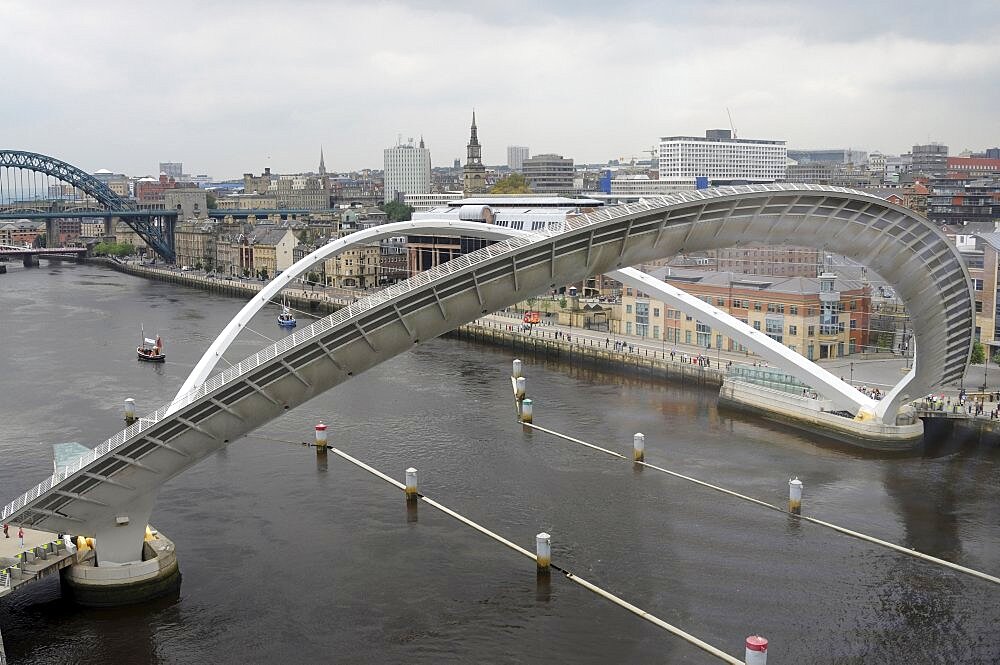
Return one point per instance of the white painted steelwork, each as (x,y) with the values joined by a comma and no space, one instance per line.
(124,472)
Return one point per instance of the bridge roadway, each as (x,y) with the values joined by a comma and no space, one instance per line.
(110,492)
(217,213)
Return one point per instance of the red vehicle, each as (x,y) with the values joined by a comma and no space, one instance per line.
(532,317)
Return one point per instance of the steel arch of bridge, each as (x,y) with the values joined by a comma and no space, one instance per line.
(127,469)
(88,184)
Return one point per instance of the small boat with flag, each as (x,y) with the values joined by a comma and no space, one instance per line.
(151,350)
(285,319)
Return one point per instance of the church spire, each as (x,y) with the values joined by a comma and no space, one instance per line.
(474,173)
(322,165)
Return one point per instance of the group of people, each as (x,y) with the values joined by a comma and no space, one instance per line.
(699,360)
(20,532)
(873,392)
(619,345)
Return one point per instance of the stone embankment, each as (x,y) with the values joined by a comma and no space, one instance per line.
(305,300)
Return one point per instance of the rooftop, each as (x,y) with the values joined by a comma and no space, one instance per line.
(771,284)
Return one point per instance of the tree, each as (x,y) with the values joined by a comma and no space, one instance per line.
(978,354)
(512,184)
(263,274)
(532,301)
(210,201)
(397,212)
(563,302)
(113,249)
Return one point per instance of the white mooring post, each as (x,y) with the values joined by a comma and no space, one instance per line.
(526,410)
(321,437)
(795,496)
(639,447)
(521,387)
(411,484)
(516,369)
(543,550)
(756,653)
(130,411)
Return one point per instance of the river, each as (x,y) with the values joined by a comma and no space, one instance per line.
(289,560)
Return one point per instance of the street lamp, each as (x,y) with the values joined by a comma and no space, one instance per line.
(986,365)
(852,373)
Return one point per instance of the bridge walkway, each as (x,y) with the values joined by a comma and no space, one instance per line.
(42,554)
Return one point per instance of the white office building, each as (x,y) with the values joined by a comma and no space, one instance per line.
(407,170)
(633,186)
(516,154)
(721,159)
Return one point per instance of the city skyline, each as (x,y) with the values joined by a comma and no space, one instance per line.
(581,79)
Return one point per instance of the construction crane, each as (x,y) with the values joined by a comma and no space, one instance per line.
(731,125)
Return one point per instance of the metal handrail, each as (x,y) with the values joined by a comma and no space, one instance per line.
(265,355)
(370,302)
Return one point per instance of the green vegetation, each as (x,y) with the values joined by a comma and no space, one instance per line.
(262,274)
(978,354)
(113,249)
(210,201)
(512,184)
(397,212)
(563,302)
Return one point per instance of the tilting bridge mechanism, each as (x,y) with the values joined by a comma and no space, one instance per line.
(123,474)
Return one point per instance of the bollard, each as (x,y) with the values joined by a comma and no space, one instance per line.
(639,447)
(130,411)
(516,371)
(756,653)
(411,484)
(795,496)
(526,411)
(520,389)
(543,552)
(321,437)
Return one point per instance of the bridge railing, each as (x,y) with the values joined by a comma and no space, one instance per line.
(261,357)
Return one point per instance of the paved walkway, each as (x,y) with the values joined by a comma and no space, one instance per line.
(11,547)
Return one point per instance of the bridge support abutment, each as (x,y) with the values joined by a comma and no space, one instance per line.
(132,565)
(30,260)
(156,576)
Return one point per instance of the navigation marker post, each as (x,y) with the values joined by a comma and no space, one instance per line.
(130,411)
(639,447)
(543,552)
(756,653)
(795,496)
(411,485)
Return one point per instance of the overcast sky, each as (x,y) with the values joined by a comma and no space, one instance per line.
(228,87)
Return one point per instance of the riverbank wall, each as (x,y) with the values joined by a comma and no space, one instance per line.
(309,301)
(589,353)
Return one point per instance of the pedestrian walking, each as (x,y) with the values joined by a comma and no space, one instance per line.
(5,527)
(20,534)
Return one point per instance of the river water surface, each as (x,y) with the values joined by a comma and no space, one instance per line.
(288,560)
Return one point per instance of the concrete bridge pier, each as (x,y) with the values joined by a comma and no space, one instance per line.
(131,566)
(30,260)
(51,232)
